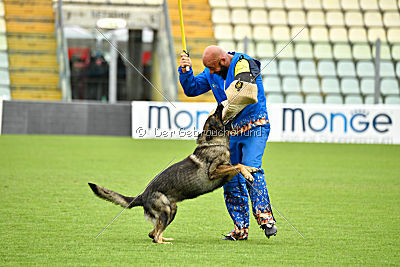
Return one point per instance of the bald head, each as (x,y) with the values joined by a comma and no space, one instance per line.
(217,60)
(213,54)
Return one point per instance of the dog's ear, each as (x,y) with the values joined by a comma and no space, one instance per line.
(218,111)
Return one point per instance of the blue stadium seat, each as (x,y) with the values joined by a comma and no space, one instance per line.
(5,93)
(287,67)
(274,98)
(310,85)
(272,84)
(367,86)
(291,85)
(369,99)
(333,99)
(398,69)
(330,86)
(4,77)
(3,60)
(346,69)
(326,68)
(390,87)
(393,100)
(269,67)
(386,69)
(365,69)
(314,99)
(294,99)
(350,86)
(353,99)
(307,68)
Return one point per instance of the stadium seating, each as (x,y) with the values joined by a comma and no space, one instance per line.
(31,45)
(199,20)
(4,74)
(332,60)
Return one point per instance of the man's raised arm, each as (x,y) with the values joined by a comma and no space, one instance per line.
(192,85)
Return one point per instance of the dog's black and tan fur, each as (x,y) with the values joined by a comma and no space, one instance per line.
(207,169)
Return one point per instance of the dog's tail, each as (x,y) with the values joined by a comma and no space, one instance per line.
(114,197)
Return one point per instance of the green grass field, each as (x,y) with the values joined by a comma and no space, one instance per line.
(345,199)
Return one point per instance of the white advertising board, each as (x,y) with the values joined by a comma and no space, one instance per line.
(289,123)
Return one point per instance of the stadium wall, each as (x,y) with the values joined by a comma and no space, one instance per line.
(26,117)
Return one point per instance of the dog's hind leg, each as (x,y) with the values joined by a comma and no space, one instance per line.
(160,226)
(174,209)
(161,210)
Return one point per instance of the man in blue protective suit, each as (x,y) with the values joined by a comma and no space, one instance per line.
(248,137)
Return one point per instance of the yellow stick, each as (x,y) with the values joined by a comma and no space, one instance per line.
(182,30)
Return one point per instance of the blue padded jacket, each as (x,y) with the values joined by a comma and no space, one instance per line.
(204,82)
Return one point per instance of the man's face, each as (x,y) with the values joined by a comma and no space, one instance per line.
(219,69)
(223,72)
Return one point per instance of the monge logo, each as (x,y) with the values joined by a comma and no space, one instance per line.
(178,119)
(357,121)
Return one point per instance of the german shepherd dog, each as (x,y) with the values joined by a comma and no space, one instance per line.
(208,168)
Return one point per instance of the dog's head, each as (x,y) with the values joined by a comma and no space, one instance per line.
(215,130)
